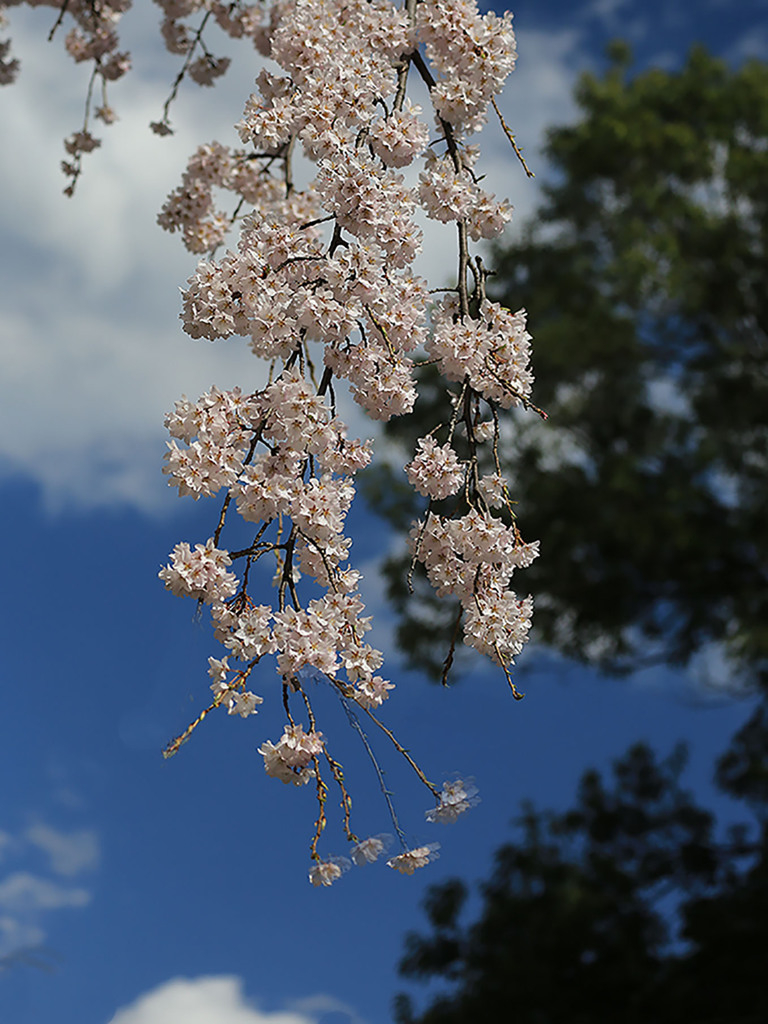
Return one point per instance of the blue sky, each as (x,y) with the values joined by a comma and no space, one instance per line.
(148,891)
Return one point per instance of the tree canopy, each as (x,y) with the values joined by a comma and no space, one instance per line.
(631,906)
(643,276)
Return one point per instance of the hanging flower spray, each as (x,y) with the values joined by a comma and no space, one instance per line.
(321,285)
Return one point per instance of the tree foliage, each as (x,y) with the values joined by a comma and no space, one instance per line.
(643,275)
(631,906)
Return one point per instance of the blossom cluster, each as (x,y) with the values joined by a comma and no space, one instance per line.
(473,558)
(320,280)
(289,760)
(322,286)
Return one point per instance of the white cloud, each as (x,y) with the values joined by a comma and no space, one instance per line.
(92,351)
(24,892)
(69,852)
(84,402)
(211,1000)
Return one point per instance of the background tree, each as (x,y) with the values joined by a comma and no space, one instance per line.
(631,906)
(644,278)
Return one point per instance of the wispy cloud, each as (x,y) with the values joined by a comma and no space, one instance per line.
(25,892)
(320,1005)
(28,896)
(69,852)
(751,44)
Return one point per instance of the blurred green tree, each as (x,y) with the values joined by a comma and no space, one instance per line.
(644,276)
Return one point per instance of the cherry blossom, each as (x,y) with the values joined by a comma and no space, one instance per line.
(369,850)
(326,872)
(282,454)
(455,799)
(435,471)
(318,281)
(410,860)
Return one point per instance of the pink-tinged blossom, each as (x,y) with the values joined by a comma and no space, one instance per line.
(435,470)
(372,692)
(472,54)
(400,137)
(488,216)
(445,193)
(492,487)
(304,639)
(81,142)
(326,872)
(318,510)
(493,352)
(484,431)
(406,863)
(316,560)
(218,669)
(382,382)
(297,748)
(318,282)
(246,633)
(289,760)
(205,70)
(200,574)
(522,555)
(216,441)
(497,625)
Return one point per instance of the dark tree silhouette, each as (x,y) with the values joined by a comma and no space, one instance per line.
(632,907)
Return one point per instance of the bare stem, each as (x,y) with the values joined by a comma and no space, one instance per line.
(401,750)
(354,722)
(322,820)
(508,132)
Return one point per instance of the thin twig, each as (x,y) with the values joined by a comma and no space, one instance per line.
(508,132)
(174,745)
(355,723)
(449,660)
(59,20)
(322,821)
(401,750)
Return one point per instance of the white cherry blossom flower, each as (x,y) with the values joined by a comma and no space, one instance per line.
(326,872)
(243,703)
(406,863)
(456,798)
(367,851)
